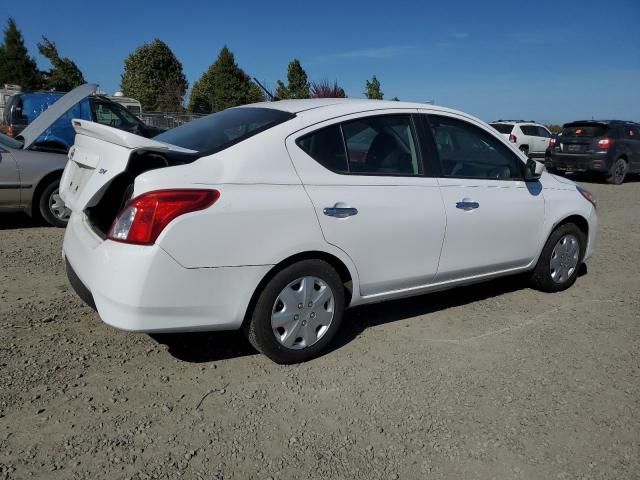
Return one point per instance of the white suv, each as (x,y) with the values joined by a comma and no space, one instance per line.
(531,138)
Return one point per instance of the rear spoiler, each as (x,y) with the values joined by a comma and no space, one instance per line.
(122,138)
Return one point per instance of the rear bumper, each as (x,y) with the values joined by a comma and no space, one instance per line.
(567,162)
(143,289)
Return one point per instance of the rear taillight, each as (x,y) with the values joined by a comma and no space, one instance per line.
(143,218)
(552,143)
(605,143)
(513,138)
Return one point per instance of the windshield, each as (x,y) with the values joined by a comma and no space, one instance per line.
(502,127)
(7,141)
(584,130)
(218,131)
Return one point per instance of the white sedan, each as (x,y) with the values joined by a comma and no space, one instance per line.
(275,217)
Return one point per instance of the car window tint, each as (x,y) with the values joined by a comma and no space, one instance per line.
(467,151)
(529,130)
(325,146)
(502,127)
(381,145)
(542,132)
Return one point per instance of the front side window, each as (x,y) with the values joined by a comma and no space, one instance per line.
(467,151)
(379,145)
(114,115)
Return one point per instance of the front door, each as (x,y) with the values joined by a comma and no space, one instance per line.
(494,218)
(9,181)
(365,178)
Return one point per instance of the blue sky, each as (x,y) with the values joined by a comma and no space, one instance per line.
(544,60)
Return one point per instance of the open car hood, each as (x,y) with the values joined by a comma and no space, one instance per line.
(47,118)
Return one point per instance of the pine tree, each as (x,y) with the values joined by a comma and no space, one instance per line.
(373,89)
(222,86)
(153,75)
(64,74)
(16,66)
(297,82)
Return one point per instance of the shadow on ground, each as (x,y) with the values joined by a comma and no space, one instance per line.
(212,346)
(11,221)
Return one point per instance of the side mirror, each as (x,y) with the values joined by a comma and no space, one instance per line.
(533,170)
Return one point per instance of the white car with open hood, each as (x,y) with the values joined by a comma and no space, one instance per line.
(275,217)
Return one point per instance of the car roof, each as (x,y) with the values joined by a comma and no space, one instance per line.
(601,122)
(349,105)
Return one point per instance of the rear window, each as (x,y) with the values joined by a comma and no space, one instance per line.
(584,130)
(220,130)
(502,127)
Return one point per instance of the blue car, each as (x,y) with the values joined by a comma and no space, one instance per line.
(24,108)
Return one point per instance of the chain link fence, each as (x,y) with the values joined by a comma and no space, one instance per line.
(166,120)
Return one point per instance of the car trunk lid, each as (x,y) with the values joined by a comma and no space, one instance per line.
(102,153)
(578,137)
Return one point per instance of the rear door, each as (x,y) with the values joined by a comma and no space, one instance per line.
(542,139)
(493,216)
(373,199)
(632,135)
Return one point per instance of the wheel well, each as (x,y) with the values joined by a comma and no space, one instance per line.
(42,184)
(332,260)
(579,221)
(624,157)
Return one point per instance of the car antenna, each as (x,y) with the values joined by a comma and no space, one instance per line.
(269,94)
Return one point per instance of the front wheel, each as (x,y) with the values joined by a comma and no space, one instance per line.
(560,260)
(51,207)
(298,312)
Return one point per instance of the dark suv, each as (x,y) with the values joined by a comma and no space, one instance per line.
(608,147)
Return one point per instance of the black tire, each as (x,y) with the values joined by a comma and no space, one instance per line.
(618,172)
(46,208)
(259,330)
(541,277)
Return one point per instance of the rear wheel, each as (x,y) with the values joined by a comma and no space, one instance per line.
(558,265)
(51,207)
(298,312)
(618,172)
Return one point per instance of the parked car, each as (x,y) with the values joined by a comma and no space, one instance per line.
(31,164)
(610,148)
(24,108)
(275,217)
(529,137)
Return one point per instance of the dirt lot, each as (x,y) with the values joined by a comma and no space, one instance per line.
(492,381)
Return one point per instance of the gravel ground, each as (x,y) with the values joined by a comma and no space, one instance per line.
(490,381)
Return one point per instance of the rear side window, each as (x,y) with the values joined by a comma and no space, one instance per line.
(584,130)
(467,151)
(379,145)
(220,130)
(326,147)
(504,128)
(529,130)
(543,132)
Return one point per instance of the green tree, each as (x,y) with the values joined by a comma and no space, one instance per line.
(153,75)
(555,128)
(16,66)
(297,82)
(395,99)
(223,85)
(64,74)
(373,89)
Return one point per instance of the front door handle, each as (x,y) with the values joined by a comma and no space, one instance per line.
(340,210)
(467,204)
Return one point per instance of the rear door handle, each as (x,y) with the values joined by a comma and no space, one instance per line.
(340,210)
(467,204)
